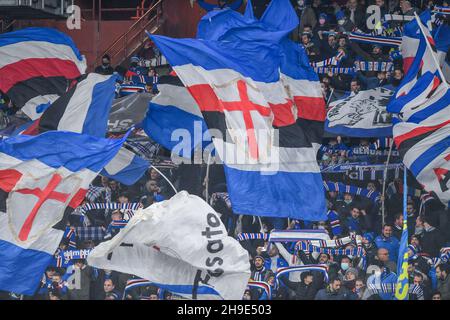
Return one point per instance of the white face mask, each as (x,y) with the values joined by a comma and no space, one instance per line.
(344,266)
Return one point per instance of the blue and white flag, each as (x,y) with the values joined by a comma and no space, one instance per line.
(43,175)
(174,119)
(205,264)
(85,109)
(37,66)
(361,115)
(422,124)
(258,93)
(126,167)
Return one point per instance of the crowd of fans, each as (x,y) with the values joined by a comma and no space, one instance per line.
(375,226)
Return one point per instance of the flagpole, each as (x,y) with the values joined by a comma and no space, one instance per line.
(419,23)
(331,94)
(384,183)
(207,178)
(163,175)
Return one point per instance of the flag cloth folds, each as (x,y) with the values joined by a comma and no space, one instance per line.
(128,111)
(85,109)
(266,122)
(35,67)
(43,175)
(171,110)
(207,264)
(422,123)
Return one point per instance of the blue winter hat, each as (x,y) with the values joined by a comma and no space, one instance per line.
(369,236)
(340,15)
(323,16)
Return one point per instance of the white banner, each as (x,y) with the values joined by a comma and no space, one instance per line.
(363,114)
(180,245)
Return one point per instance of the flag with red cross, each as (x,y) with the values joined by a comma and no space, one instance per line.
(42,176)
(264,108)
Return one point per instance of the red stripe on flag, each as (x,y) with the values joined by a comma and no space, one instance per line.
(407,62)
(31,68)
(311,108)
(9,179)
(205,97)
(78,198)
(33,129)
(283,115)
(417,132)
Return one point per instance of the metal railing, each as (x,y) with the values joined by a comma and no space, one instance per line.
(135,36)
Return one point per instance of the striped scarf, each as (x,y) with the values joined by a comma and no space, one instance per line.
(443,10)
(111,206)
(340,187)
(76,254)
(306,246)
(297,235)
(118,224)
(374,39)
(135,283)
(334,70)
(252,236)
(444,257)
(374,66)
(398,17)
(261,285)
(390,288)
(311,267)
(70,235)
(333,61)
(374,172)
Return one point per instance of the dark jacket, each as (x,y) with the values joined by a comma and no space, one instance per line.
(302,291)
(327,294)
(105,71)
(444,288)
(431,242)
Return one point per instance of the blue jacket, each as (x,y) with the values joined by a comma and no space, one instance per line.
(391,244)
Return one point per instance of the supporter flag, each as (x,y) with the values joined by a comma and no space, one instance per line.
(85,109)
(262,99)
(128,111)
(402,286)
(35,67)
(422,127)
(173,115)
(361,115)
(179,245)
(43,175)
(126,167)
(417,59)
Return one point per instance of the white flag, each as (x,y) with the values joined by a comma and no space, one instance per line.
(180,245)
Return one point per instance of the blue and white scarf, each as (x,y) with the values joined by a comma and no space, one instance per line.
(374,66)
(341,188)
